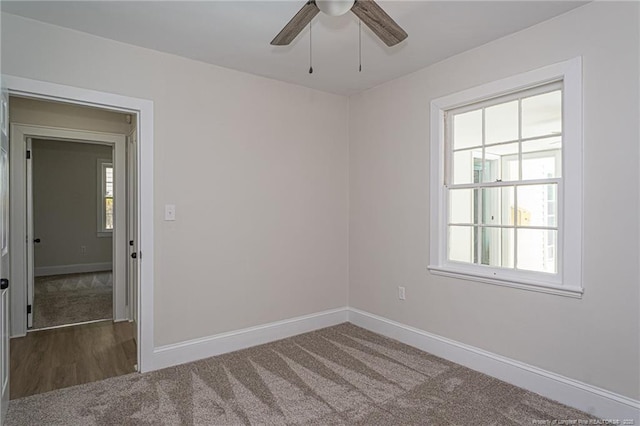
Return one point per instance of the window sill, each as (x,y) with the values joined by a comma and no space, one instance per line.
(575,292)
(105,234)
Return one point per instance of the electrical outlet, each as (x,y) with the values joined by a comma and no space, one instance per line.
(401,294)
(170,212)
(83,249)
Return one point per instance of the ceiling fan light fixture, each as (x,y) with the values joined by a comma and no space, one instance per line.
(335,7)
(368,11)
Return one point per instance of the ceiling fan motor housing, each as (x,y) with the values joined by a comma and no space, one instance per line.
(368,11)
(335,7)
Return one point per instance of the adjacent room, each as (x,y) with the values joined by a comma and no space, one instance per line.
(66,233)
(320,212)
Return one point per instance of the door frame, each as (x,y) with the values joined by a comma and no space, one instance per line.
(132,208)
(22,194)
(143,110)
(5,246)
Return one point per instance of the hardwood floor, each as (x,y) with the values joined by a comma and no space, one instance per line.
(52,359)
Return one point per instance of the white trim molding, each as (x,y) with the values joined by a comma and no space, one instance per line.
(461,274)
(143,108)
(43,271)
(591,399)
(21,252)
(205,347)
(568,279)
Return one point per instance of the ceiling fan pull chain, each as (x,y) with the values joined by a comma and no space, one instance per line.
(360,45)
(310,52)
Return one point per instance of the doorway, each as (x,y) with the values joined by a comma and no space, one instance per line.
(142,112)
(71,195)
(77,288)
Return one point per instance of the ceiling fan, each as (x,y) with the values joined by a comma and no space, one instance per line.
(368,11)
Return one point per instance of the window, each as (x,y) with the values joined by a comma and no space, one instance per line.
(105,197)
(506,182)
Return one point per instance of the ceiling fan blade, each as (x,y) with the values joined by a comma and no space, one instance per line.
(379,22)
(296,24)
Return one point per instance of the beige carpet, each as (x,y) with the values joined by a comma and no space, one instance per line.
(72,298)
(340,375)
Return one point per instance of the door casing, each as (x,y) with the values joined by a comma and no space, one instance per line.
(21,136)
(4,255)
(132,232)
(143,111)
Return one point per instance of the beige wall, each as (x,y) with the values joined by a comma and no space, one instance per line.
(595,339)
(257,169)
(265,174)
(65,207)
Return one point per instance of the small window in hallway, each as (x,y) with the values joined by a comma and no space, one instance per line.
(105,193)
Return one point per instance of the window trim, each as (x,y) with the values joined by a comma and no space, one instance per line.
(569,277)
(102,231)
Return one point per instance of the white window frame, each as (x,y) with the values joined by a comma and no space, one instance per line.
(568,280)
(102,230)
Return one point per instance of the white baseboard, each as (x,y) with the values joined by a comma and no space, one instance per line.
(192,350)
(591,399)
(71,269)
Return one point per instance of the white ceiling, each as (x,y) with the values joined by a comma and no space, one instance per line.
(236,34)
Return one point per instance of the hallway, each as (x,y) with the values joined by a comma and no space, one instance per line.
(57,358)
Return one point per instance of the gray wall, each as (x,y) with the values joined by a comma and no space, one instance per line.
(65,193)
(594,339)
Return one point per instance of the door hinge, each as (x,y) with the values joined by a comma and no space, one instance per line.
(28,154)
(28,309)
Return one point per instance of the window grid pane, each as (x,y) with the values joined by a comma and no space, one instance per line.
(108,181)
(108,213)
(107,197)
(515,225)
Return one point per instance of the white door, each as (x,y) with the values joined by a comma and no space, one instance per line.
(4,256)
(30,238)
(132,229)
